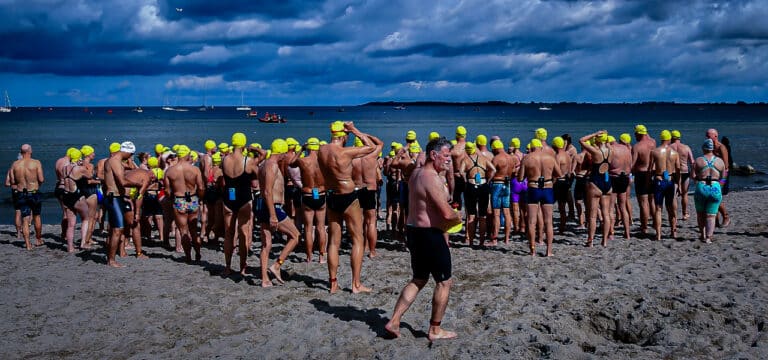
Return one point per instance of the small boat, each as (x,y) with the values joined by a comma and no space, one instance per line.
(6,108)
(242,106)
(274,118)
(180,109)
(138,109)
(252,114)
(545,108)
(399,107)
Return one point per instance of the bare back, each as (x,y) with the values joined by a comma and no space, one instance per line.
(620,160)
(27,174)
(311,176)
(539,164)
(505,165)
(272,181)
(184,178)
(641,154)
(664,159)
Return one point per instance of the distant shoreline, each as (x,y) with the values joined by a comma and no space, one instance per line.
(429,103)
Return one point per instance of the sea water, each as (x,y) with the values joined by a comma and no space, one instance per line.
(51,131)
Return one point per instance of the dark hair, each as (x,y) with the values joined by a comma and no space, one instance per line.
(143,156)
(567,139)
(437,144)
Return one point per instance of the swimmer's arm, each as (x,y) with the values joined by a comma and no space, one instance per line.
(436,195)
(521,171)
(556,171)
(9,177)
(266,190)
(40,178)
(199,184)
(490,170)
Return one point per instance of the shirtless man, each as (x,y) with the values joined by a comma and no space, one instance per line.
(505,165)
(686,160)
(313,200)
(272,216)
(641,157)
(58,191)
(185,182)
(620,167)
(393,176)
(539,167)
(580,172)
(135,198)
(722,152)
(100,173)
(335,162)
(541,135)
(562,184)
(369,167)
(27,176)
(14,200)
(238,171)
(477,170)
(665,169)
(116,201)
(457,157)
(517,189)
(430,217)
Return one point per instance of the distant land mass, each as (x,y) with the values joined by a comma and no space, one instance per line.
(561,103)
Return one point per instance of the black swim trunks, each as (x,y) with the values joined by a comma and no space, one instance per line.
(477,198)
(340,202)
(620,183)
(642,183)
(429,253)
(29,203)
(561,188)
(367,198)
(309,200)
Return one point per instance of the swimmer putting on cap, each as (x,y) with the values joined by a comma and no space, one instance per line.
(335,162)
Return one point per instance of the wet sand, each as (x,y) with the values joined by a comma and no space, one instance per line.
(634,299)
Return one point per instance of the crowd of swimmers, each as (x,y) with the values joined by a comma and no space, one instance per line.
(315,191)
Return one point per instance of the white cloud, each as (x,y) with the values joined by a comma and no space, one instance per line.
(308,24)
(208,55)
(285,50)
(195,82)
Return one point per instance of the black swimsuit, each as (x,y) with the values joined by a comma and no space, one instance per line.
(70,198)
(237,190)
(602,181)
(340,202)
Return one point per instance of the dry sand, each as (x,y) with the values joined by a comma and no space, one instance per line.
(634,299)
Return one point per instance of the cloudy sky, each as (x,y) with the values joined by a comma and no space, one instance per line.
(344,52)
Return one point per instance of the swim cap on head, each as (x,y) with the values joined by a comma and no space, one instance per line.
(279,146)
(175,147)
(182,151)
(238,140)
(535,143)
(216,158)
(410,135)
(481,140)
(461,132)
(337,129)
(641,130)
(128,147)
(75,155)
(166,149)
(470,148)
(675,134)
(223,147)
(391,153)
(159,148)
(414,148)
(291,142)
(313,144)
(152,162)
(323,142)
(398,146)
(159,173)
(541,134)
(708,145)
(358,142)
(603,138)
(665,135)
(433,136)
(393,144)
(255,146)
(515,143)
(195,156)
(87,150)
(114,147)
(210,145)
(611,139)
(454,142)
(625,138)
(497,144)
(528,147)
(558,142)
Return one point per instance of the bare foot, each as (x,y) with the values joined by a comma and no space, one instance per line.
(442,334)
(360,289)
(115,264)
(141,256)
(392,329)
(372,255)
(275,271)
(333,286)
(322,259)
(266,283)
(226,272)
(39,243)
(29,247)
(726,221)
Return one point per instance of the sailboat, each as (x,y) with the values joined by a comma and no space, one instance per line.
(242,106)
(167,106)
(6,108)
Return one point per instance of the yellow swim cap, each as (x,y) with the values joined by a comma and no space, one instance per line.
(640,129)
(541,134)
(166,149)
(224,147)
(515,143)
(625,138)
(414,148)
(470,148)
(159,173)
(481,140)
(497,144)
(410,135)
(665,135)
(323,142)
(152,162)
(393,144)
(461,132)
(114,147)
(535,143)
(398,146)
(216,158)
(291,142)
(392,153)
(86,150)
(238,140)
(159,148)
(337,129)
(611,139)
(454,142)
(182,151)
(195,156)
(255,146)
(210,145)
(175,148)
(358,142)
(433,136)
(558,142)
(279,146)
(675,134)
(75,155)
(603,137)
(313,143)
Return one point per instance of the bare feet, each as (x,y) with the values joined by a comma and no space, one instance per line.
(334,285)
(726,221)
(322,259)
(226,272)
(275,271)
(360,289)
(39,242)
(266,283)
(588,244)
(141,256)
(115,264)
(372,255)
(441,334)
(392,329)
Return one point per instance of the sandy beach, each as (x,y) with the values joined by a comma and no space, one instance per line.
(634,299)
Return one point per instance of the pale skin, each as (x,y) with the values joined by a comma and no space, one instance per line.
(476,223)
(664,158)
(272,184)
(536,164)
(182,179)
(597,201)
(17,213)
(621,162)
(722,152)
(518,212)
(237,222)
(143,178)
(580,170)
(641,157)
(336,165)
(706,222)
(116,182)
(564,162)
(505,165)
(429,208)
(314,220)
(369,166)
(92,201)
(686,158)
(75,171)
(27,173)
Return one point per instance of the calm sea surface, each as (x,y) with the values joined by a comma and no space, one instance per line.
(52,131)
